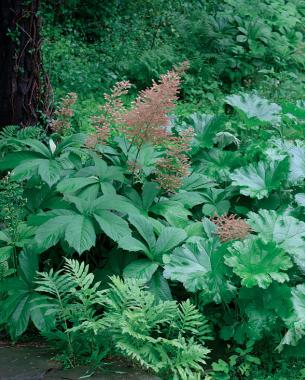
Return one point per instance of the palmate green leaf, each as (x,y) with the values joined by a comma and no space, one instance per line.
(53,230)
(5,253)
(297,164)
(296,321)
(50,171)
(200,266)
(174,212)
(215,202)
(11,160)
(112,225)
(286,231)
(142,269)
(37,146)
(259,180)
(80,234)
(169,238)
(71,185)
(205,127)
(300,199)
(255,108)
(129,243)
(114,202)
(18,309)
(197,181)
(258,263)
(159,286)
(144,228)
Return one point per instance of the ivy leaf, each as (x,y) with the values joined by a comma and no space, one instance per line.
(258,180)
(258,263)
(286,231)
(255,108)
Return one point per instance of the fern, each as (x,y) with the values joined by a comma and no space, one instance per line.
(157,336)
(12,134)
(164,337)
(192,323)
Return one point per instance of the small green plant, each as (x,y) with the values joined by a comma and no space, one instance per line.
(161,336)
(238,366)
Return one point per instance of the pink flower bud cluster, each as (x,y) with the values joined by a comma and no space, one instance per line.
(171,169)
(61,122)
(230,227)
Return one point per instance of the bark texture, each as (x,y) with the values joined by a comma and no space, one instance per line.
(22,86)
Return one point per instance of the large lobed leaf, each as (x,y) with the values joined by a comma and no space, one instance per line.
(260,179)
(258,263)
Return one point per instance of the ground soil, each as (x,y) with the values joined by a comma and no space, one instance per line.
(32,362)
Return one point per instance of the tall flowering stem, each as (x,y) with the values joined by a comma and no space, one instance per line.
(147,122)
(111,114)
(61,122)
(171,169)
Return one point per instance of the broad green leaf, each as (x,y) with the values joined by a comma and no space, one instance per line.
(286,231)
(142,269)
(5,253)
(256,108)
(37,147)
(259,180)
(258,263)
(197,181)
(145,229)
(12,160)
(174,212)
(75,140)
(17,310)
(296,322)
(49,171)
(129,243)
(116,203)
(53,230)
(80,233)
(71,185)
(169,238)
(206,128)
(300,199)
(158,285)
(189,199)
(112,225)
(199,266)
(297,164)
(215,202)
(149,192)
(26,170)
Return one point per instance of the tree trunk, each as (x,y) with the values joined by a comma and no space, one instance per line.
(21,84)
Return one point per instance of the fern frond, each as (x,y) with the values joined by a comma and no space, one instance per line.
(56,284)
(79,272)
(193,323)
